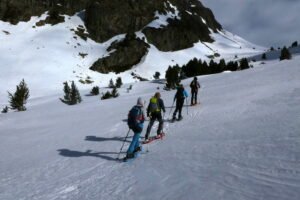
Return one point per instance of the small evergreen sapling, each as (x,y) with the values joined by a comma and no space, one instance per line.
(5,109)
(18,100)
(106,95)
(156,75)
(95,91)
(119,82)
(72,95)
(114,93)
(111,84)
(285,54)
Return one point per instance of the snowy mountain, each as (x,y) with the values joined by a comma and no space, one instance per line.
(65,44)
(241,142)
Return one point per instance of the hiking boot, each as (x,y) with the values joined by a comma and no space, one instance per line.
(138,149)
(146,140)
(129,155)
(160,135)
(180,118)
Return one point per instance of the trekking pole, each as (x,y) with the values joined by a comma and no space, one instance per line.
(187,106)
(123,144)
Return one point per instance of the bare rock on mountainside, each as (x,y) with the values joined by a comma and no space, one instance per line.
(125,54)
(169,25)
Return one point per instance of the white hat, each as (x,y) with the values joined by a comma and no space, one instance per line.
(140,101)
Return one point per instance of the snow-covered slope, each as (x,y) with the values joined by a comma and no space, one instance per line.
(47,56)
(242,142)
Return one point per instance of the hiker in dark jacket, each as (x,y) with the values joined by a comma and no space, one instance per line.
(135,122)
(194,91)
(180,95)
(156,105)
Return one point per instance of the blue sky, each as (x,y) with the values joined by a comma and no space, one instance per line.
(264,22)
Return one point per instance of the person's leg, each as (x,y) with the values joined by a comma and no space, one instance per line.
(137,146)
(196,94)
(149,127)
(181,102)
(161,123)
(132,146)
(192,97)
(176,109)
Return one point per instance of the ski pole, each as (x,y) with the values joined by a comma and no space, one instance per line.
(123,144)
(187,106)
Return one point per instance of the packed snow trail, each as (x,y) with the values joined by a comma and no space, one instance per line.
(242,142)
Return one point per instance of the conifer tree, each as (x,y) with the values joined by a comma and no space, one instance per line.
(222,65)
(72,95)
(107,95)
(156,75)
(295,44)
(244,64)
(114,93)
(264,56)
(75,95)
(172,76)
(95,90)
(67,91)
(111,84)
(18,100)
(5,109)
(285,54)
(119,82)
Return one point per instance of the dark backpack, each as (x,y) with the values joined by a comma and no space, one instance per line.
(132,117)
(180,94)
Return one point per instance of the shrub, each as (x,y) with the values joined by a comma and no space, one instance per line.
(18,100)
(111,84)
(95,90)
(5,109)
(156,75)
(119,82)
(72,95)
(285,54)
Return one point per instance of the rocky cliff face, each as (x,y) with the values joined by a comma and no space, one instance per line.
(170,25)
(21,10)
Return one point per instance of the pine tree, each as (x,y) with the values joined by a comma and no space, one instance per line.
(295,44)
(119,82)
(156,75)
(285,54)
(75,95)
(244,64)
(107,95)
(114,93)
(264,56)
(72,95)
(18,100)
(5,109)
(67,91)
(172,76)
(222,65)
(95,90)
(111,84)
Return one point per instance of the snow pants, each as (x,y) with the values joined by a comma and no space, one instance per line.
(135,143)
(155,116)
(179,105)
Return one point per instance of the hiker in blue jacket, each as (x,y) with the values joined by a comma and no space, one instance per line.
(135,122)
(180,95)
